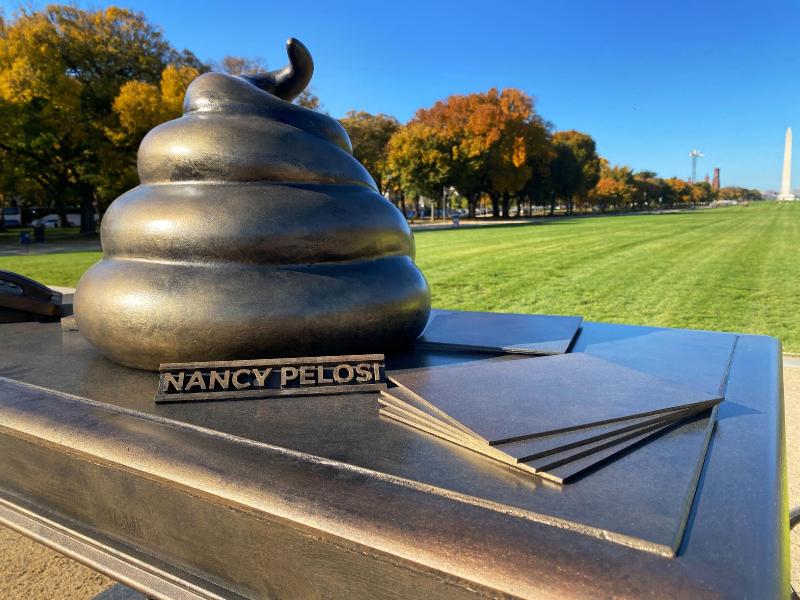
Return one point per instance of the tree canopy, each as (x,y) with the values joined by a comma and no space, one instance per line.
(576,167)
(78,91)
(418,161)
(485,143)
(614,186)
(370,135)
(61,72)
(80,88)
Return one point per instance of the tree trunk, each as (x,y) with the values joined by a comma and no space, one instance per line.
(495,205)
(403,205)
(506,205)
(62,215)
(552,205)
(58,193)
(87,210)
(472,203)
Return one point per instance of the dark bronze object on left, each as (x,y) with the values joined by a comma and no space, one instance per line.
(254,234)
(23,299)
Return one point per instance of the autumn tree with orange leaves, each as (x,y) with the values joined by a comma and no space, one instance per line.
(61,70)
(80,88)
(484,143)
(614,186)
(679,191)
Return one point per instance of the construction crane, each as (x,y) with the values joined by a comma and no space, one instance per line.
(695,154)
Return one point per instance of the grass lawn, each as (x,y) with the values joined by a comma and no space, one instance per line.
(734,269)
(53,269)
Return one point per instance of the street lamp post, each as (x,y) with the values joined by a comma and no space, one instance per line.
(447,192)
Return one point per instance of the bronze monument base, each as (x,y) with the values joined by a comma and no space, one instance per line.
(311,497)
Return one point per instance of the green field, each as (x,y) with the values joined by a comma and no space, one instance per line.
(734,269)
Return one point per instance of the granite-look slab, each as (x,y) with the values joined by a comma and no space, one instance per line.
(404,404)
(431,428)
(599,449)
(690,436)
(577,439)
(498,332)
(696,359)
(405,399)
(561,467)
(507,399)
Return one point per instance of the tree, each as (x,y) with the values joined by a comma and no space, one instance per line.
(565,173)
(418,162)
(308,99)
(679,191)
(702,193)
(539,190)
(649,189)
(370,135)
(576,168)
(61,70)
(739,193)
(493,138)
(239,65)
(140,106)
(614,186)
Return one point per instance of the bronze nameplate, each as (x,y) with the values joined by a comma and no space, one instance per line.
(232,379)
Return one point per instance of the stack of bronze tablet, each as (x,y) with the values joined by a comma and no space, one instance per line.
(557,416)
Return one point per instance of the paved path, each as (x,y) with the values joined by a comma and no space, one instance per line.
(93,244)
(435,225)
(423,225)
(29,571)
(78,245)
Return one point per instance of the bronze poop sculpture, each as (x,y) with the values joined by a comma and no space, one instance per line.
(254,233)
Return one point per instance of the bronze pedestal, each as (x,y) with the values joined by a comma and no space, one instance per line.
(321,497)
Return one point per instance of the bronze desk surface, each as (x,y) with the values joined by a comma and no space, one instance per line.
(260,499)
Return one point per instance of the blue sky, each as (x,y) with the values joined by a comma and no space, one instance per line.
(649,80)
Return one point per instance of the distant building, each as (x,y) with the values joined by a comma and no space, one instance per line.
(715,183)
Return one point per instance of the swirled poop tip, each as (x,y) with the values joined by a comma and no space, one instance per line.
(253,233)
(289,82)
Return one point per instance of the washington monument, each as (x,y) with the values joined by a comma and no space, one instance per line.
(786,180)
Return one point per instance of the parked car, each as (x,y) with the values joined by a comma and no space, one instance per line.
(52,220)
(49,221)
(12,217)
